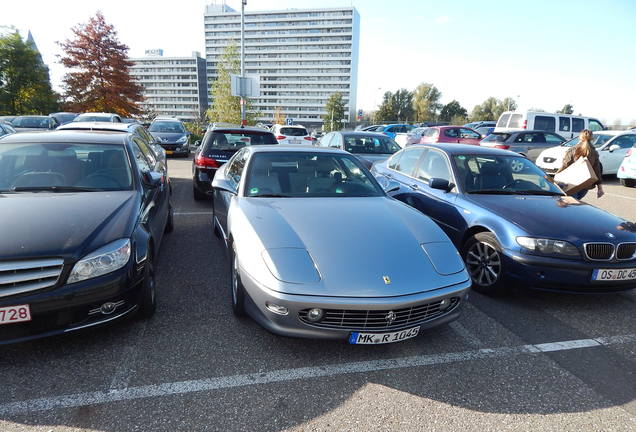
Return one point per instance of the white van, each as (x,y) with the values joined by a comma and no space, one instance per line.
(566,125)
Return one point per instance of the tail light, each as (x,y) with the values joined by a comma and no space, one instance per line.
(281,137)
(308,138)
(205,162)
(525,124)
(629,152)
(502,146)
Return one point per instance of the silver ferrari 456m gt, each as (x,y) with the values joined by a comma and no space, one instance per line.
(317,249)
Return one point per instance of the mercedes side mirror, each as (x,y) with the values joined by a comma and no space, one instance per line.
(614,147)
(441,184)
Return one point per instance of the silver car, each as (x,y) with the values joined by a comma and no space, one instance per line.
(317,249)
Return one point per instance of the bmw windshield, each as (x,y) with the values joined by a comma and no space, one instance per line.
(502,175)
(308,175)
(62,167)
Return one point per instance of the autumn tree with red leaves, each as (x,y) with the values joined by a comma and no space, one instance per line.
(99,77)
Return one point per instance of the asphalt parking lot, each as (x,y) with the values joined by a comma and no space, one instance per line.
(523,361)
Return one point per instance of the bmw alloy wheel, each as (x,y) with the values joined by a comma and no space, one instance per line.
(484,264)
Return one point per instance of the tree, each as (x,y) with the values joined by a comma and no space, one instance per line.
(426,102)
(492,108)
(386,111)
(99,78)
(25,87)
(402,102)
(225,107)
(452,112)
(567,109)
(335,113)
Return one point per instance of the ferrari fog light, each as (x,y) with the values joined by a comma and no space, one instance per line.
(277,309)
(444,304)
(315,314)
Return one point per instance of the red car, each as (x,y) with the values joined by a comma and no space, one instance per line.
(450,134)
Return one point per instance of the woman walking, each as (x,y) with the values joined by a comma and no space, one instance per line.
(585,149)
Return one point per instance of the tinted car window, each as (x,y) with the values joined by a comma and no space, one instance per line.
(496,137)
(553,139)
(408,161)
(293,131)
(433,165)
(544,123)
(89,166)
(140,158)
(93,118)
(235,140)
(578,124)
(503,120)
(467,133)
(564,124)
(515,121)
(306,175)
(360,144)
(451,133)
(235,170)
(625,141)
(166,127)
(31,122)
(595,125)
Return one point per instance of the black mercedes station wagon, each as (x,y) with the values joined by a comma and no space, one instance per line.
(83,216)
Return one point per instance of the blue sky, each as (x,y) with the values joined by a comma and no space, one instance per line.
(543,53)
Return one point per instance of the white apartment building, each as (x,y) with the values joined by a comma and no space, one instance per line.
(302,56)
(173,86)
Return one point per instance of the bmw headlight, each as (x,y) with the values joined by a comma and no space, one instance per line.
(104,260)
(183,139)
(549,246)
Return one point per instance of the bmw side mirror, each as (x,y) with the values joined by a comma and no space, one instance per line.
(614,147)
(152,179)
(387,184)
(441,184)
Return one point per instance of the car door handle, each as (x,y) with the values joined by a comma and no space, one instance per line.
(389,175)
(414,186)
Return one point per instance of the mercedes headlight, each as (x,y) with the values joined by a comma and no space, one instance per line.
(104,260)
(183,139)
(548,246)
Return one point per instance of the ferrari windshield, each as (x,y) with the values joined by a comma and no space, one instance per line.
(63,167)
(502,175)
(307,174)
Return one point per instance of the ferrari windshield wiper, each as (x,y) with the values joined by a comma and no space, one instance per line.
(53,189)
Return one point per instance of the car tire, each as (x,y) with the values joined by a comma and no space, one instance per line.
(628,182)
(170,222)
(483,257)
(237,292)
(198,195)
(148,295)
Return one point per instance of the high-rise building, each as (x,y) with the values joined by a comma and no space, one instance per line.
(173,86)
(302,56)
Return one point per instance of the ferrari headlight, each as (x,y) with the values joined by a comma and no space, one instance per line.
(182,139)
(104,260)
(548,246)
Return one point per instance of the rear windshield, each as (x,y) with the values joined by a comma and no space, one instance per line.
(42,166)
(92,118)
(235,140)
(293,131)
(31,122)
(359,144)
(515,121)
(166,127)
(503,120)
(496,137)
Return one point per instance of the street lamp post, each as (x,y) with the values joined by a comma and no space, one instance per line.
(243,3)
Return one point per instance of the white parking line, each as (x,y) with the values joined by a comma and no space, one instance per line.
(191,213)
(210,384)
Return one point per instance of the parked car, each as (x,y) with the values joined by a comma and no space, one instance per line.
(482,123)
(511,224)
(98,117)
(414,136)
(293,134)
(171,135)
(527,143)
(289,270)
(484,131)
(627,171)
(395,131)
(84,215)
(33,123)
(7,119)
(369,147)
(137,130)
(216,148)
(611,146)
(372,128)
(6,129)
(63,117)
(450,134)
(566,125)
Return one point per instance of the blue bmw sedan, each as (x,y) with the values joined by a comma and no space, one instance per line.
(510,222)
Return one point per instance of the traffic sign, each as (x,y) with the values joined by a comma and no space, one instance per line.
(289,121)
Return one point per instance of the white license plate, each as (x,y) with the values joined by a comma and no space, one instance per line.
(358,338)
(15,314)
(614,274)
